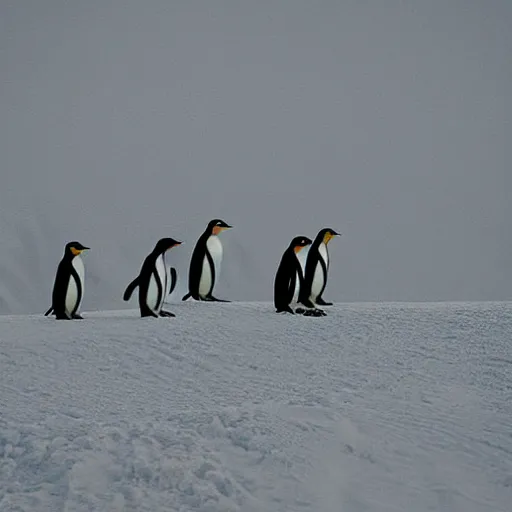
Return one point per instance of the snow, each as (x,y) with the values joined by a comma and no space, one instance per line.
(231,407)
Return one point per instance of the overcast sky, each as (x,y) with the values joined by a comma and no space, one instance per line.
(122,122)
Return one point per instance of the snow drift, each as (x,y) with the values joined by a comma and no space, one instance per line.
(230,407)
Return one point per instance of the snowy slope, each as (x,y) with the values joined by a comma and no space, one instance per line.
(230,407)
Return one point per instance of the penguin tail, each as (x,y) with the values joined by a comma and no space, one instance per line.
(187,296)
(129,289)
(49,311)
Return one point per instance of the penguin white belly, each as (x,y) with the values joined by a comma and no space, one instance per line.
(302,258)
(297,288)
(207,281)
(157,281)
(73,299)
(319,277)
(322,249)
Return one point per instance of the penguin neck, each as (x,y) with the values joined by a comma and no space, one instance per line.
(319,240)
(157,254)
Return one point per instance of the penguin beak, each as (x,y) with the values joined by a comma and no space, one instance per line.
(175,244)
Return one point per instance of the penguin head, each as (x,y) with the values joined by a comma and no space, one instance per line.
(299,242)
(325,235)
(216,226)
(75,248)
(164,244)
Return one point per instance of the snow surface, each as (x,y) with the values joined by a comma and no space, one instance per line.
(231,407)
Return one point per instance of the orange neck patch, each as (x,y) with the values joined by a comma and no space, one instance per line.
(75,252)
(327,238)
(298,248)
(217,229)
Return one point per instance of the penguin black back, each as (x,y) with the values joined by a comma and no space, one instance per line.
(288,272)
(153,280)
(205,262)
(68,288)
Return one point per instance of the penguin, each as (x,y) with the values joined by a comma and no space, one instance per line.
(288,274)
(155,282)
(316,269)
(68,289)
(205,263)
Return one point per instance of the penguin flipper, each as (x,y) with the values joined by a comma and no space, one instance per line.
(129,289)
(166,314)
(174,279)
(302,296)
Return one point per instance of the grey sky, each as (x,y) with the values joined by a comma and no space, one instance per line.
(126,121)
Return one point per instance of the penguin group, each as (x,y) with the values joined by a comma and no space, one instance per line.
(292,285)
(156,280)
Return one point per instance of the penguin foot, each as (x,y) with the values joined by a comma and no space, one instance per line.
(285,310)
(146,314)
(322,302)
(76,316)
(166,314)
(314,312)
(211,298)
(300,311)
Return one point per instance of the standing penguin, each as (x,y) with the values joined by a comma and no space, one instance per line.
(68,289)
(317,267)
(205,263)
(288,274)
(154,281)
